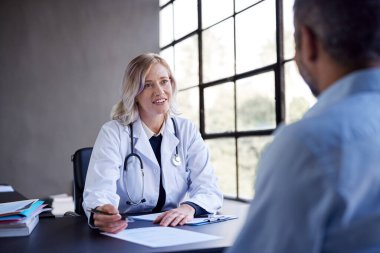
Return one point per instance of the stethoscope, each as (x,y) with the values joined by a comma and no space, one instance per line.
(176,161)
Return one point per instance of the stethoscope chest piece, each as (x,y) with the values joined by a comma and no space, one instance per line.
(176,160)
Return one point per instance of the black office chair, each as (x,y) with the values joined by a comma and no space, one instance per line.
(80,159)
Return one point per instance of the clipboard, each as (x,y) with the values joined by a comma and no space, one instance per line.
(209,219)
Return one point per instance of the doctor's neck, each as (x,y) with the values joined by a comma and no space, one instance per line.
(154,123)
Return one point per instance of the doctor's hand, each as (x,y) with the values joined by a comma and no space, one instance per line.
(111,221)
(176,216)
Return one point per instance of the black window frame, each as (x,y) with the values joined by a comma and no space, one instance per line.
(278,69)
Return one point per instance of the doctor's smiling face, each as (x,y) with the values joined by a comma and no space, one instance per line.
(155,98)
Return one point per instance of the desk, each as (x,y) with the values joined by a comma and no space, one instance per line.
(72,234)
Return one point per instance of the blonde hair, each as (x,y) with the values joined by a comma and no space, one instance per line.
(126,110)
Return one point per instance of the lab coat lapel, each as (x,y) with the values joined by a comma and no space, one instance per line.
(142,144)
(169,142)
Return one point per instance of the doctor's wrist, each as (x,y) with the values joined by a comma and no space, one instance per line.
(199,211)
(188,208)
(91,220)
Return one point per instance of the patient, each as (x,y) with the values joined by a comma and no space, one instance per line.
(318,184)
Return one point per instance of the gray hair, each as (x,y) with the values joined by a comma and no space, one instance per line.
(126,110)
(348,29)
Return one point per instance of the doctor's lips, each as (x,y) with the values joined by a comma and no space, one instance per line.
(160,101)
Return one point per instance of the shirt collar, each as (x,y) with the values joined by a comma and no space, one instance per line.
(149,133)
(358,81)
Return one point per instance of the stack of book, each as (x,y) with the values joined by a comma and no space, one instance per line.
(19,218)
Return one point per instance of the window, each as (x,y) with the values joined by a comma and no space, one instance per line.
(236,76)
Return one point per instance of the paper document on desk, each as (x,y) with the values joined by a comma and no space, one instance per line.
(6,188)
(161,236)
(193,222)
(23,207)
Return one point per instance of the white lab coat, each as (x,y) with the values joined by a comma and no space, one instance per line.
(194,180)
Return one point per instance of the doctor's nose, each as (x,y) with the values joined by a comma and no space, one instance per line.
(158,90)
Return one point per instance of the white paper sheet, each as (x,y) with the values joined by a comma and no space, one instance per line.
(161,236)
(6,188)
(10,207)
(147,217)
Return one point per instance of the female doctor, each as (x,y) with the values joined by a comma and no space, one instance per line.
(146,159)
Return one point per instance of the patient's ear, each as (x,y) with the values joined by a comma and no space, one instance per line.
(309,45)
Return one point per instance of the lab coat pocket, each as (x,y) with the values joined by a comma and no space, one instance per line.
(182,179)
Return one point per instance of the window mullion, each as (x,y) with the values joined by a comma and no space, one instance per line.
(279,70)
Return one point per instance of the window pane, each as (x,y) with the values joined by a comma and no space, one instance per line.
(211,16)
(256,37)
(298,96)
(241,4)
(166,25)
(219,108)
(288,29)
(223,159)
(256,102)
(218,51)
(186,62)
(250,149)
(185,17)
(188,104)
(168,55)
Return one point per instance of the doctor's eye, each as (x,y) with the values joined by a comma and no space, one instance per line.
(165,81)
(147,85)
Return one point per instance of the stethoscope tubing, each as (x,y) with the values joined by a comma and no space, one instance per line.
(176,160)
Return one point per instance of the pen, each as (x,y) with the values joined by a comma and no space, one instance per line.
(123,215)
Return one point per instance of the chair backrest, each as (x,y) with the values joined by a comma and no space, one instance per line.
(80,159)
